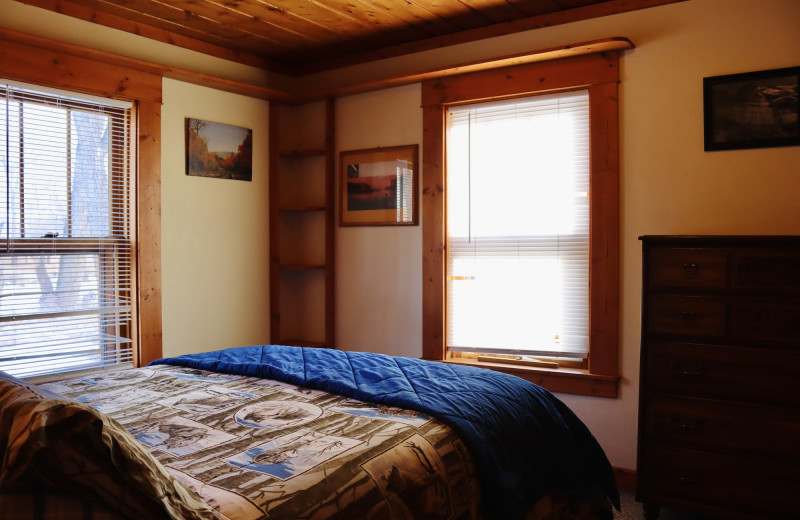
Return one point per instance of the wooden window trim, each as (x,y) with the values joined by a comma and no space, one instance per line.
(599,73)
(53,64)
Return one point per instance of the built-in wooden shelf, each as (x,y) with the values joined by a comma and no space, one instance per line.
(302,224)
(303,153)
(302,208)
(303,343)
(302,267)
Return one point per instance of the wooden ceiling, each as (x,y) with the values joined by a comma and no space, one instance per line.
(302,36)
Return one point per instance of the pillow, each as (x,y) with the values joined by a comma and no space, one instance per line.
(48,441)
(43,391)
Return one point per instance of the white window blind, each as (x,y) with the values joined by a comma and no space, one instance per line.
(65,252)
(518,226)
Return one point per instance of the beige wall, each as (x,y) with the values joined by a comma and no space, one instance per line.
(669,185)
(379,269)
(215,232)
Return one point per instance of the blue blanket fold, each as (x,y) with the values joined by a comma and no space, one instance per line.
(524,440)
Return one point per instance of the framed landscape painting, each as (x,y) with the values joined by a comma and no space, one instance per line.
(378,187)
(218,150)
(752,109)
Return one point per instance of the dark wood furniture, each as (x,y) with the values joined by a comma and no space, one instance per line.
(719,403)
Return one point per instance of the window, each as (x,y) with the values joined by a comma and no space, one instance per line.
(518,226)
(571,248)
(65,231)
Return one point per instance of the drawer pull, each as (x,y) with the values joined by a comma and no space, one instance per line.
(689,270)
(683,478)
(688,318)
(697,370)
(686,426)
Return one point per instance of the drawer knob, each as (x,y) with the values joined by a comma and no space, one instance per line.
(685,425)
(689,270)
(684,478)
(696,370)
(688,318)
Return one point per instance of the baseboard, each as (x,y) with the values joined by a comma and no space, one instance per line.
(626,478)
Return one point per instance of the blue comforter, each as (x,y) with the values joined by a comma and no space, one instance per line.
(525,441)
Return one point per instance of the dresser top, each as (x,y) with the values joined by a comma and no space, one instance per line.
(723,240)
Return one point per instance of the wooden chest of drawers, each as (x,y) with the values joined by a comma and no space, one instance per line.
(719,402)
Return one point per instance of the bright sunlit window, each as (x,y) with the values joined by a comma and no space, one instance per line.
(65,269)
(518,226)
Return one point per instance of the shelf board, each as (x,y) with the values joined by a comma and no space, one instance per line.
(301,208)
(303,153)
(303,343)
(302,267)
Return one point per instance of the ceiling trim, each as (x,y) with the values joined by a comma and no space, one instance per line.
(109,58)
(87,14)
(616,43)
(296,91)
(491,31)
(605,8)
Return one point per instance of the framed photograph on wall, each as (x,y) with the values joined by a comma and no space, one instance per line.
(378,187)
(218,150)
(752,109)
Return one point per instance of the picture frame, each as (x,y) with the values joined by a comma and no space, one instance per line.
(218,150)
(379,186)
(752,110)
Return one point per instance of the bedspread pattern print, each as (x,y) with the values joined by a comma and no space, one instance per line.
(525,442)
(259,448)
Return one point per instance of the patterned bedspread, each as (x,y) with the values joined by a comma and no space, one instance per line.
(258,448)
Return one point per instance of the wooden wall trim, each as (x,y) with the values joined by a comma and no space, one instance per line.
(433,237)
(600,74)
(605,234)
(626,478)
(148,237)
(88,14)
(46,62)
(58,64)
(566,73)
(330,222)
(63,65)
(521,58)
(274,223)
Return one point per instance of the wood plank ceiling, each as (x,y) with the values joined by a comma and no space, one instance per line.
(301,36)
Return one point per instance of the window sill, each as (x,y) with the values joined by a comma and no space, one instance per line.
(559,380)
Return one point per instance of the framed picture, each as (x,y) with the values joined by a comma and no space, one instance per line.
(378,187)
(752,110)
(217,150)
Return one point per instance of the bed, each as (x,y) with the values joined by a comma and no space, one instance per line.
(282,432)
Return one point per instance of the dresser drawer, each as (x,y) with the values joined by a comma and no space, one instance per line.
(686,315)
(766,320)
(777,271)
(723,426)
(729,373)
(764,488)
(688,268)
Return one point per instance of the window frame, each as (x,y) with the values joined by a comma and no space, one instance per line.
(49,63)
(104,247)
(599,73)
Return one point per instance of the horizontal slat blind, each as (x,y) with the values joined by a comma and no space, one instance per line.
(65,252)
(518,226)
